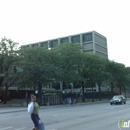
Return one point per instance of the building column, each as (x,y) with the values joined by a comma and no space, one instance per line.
(93,36)
(69,39)
(81,42)
(58,40)
(49,46)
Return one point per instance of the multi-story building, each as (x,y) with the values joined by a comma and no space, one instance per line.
(92,42)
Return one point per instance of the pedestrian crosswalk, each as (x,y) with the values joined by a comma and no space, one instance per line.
(5,128)
(12,128)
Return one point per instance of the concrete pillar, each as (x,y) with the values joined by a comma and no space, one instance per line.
(49,46)
(58,40)
(70,39)
(93,36)
(81,40)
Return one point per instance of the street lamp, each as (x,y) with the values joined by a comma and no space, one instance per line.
(38,83)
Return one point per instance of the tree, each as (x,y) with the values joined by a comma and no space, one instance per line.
(119,75)
(9,54)
(94,70)
(67,58)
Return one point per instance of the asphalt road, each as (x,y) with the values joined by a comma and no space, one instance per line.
(85,117)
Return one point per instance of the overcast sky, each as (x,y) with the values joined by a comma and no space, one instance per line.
(28,21)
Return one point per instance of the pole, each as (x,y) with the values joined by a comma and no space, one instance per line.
(37,78)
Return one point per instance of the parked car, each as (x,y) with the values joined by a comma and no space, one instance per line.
(118,99)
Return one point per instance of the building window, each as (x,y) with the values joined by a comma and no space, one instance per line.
(44,44)
(26,46)
(64,40)
(75,39)
(34,45)
(87,37)
(53,43)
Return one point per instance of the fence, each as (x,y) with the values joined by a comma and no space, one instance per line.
(52,99)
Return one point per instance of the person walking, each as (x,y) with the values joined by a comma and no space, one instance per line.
(35,115)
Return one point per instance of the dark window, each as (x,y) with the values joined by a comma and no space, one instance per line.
(87,37)
(53,43)
(34,45)
(76,39)
(26,46)
(44,44)
(65,40)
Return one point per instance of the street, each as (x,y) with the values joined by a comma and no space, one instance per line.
(71,117)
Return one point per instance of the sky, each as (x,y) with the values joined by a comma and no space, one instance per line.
(29,21)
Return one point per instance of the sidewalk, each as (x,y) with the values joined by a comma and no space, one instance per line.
(7,109)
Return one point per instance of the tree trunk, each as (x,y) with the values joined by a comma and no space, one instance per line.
(112,89)
(83,98)
(92,84)
(100,98)
(120,89)
(5,94)
(34,86)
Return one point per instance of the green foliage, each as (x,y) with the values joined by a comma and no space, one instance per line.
(8,55)
(66,63)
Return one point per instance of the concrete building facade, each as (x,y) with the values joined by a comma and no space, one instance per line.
(92,42)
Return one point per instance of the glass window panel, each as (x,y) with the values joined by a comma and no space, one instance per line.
(65,40)
(44,44)
(87,37)
(26,46)
(53,43)
(34,45)
(75,39)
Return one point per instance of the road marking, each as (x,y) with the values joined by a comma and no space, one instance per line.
(5,128)
(21,128)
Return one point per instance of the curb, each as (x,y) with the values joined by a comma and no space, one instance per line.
(49,107)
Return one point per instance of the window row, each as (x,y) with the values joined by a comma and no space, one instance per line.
(74,39)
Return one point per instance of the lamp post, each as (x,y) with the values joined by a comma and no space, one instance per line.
(38,83)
